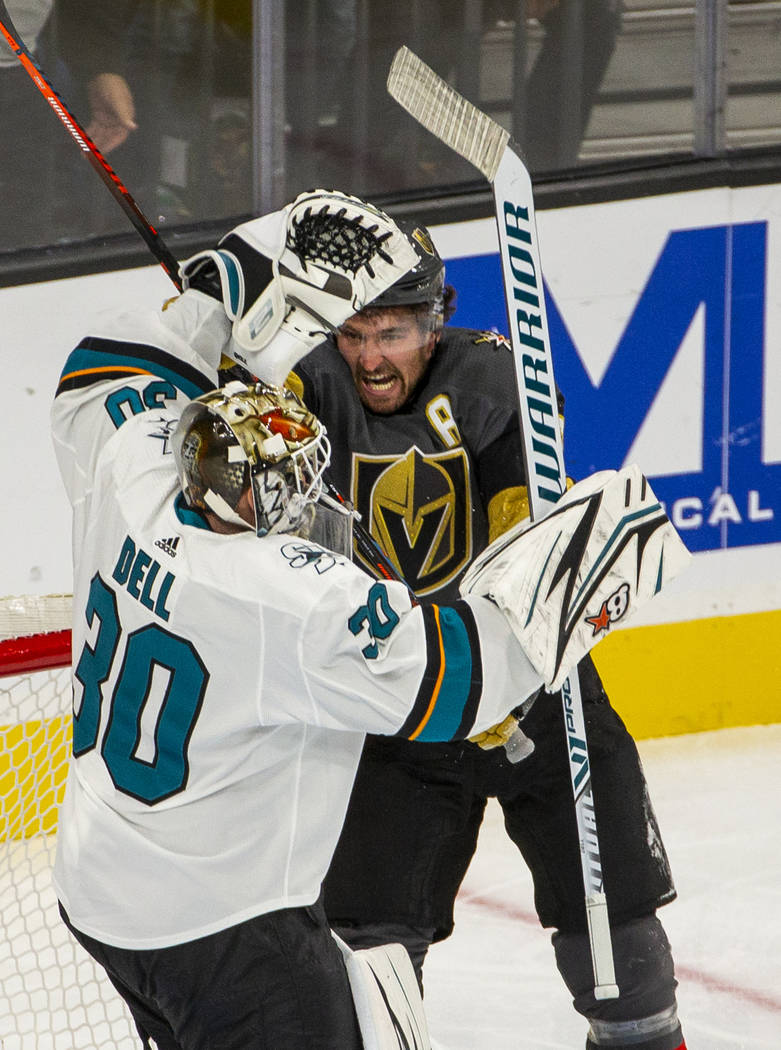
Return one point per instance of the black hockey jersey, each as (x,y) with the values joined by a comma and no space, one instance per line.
(423,477)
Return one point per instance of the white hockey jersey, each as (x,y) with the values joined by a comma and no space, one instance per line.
(223,684)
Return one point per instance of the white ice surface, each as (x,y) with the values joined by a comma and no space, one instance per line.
(494,983)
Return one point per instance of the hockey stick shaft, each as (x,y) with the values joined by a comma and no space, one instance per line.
(115,185)
(484,143)
(365,544)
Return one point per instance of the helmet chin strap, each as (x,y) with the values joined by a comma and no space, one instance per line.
(223,510)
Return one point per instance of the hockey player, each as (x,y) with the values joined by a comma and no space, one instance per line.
(424,427)
(226,666)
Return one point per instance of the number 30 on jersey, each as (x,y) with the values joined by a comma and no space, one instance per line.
(377,617)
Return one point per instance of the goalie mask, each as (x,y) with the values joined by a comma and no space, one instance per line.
(257,438)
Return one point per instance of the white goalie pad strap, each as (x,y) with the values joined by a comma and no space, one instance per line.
(386,996)
(256,323)
(275,361)
(563,583)
(219,506)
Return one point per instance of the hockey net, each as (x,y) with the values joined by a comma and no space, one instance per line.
(52,995)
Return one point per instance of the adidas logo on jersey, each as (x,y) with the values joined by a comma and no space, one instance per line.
(169,545)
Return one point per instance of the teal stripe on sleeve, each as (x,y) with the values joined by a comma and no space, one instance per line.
(454,691)
(90,360)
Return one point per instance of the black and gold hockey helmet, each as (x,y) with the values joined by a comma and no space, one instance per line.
(424,284)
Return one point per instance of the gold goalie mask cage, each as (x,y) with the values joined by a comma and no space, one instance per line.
(257,437)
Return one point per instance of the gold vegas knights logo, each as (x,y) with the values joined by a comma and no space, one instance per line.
(417,507)
(423,239)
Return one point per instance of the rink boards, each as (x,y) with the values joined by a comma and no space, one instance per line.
(665,317)
(665,320)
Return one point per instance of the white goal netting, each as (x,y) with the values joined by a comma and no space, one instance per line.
(52,995)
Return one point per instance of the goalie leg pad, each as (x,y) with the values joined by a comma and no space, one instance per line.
(604,551)
(415,939)
(386,996)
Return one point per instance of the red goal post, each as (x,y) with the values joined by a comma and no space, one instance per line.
(52,995)
(34,633)
(35,711)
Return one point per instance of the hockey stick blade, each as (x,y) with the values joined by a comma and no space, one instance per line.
(446,114)
(480,140)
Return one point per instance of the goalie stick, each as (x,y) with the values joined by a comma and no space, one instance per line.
(364,542)
(488,146)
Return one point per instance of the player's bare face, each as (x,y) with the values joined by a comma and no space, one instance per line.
(387,354)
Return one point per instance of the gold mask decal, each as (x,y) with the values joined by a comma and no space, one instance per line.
(417,508)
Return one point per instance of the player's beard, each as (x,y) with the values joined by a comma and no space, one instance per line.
(384,390)
(387,388)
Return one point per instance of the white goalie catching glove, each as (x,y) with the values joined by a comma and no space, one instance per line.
(289,278)
(604,550)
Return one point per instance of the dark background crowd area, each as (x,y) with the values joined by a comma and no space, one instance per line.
(226,108)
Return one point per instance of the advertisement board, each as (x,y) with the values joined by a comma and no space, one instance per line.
(665,320)
(665,317)
(666,347)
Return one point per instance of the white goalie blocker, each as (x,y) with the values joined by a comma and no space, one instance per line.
(387,999)
(604,551)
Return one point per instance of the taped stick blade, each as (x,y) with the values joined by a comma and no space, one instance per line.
(445,113)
